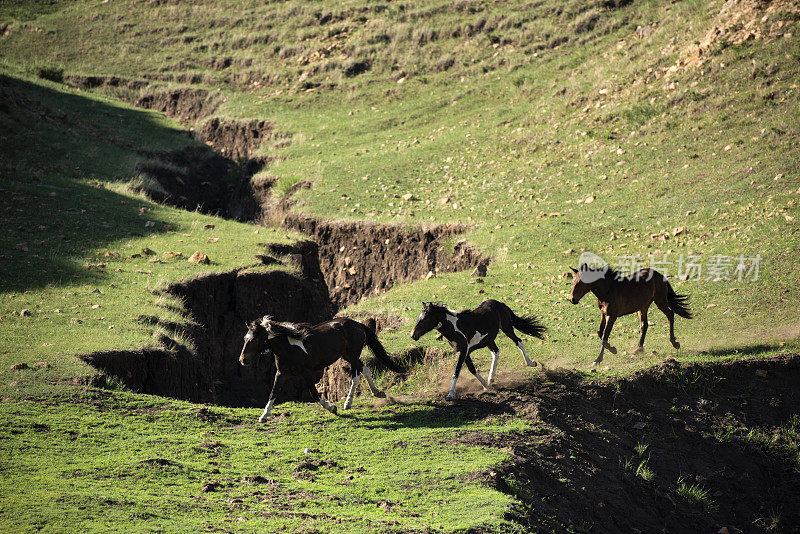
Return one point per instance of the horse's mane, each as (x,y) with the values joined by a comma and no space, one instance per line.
(608,274)
(436,306)
(284,328)
(612,273)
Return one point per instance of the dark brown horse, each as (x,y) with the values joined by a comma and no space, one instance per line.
(618,296)
(470,330)
(303,350)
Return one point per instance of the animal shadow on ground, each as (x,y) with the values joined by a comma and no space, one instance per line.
(743,350)
(434,413)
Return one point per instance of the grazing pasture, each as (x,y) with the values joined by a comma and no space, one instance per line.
(488,143)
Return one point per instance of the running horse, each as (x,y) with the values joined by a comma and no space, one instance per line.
(301,349)
(470,330)
(619,295)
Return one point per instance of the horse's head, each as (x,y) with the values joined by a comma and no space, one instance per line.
(583,280)
(255,342)
(431,317)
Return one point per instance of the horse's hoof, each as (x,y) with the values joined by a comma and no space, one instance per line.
(450,397)
(676,344)
(334,410)
(532,363)
(612,350)
(262,419)
(638,350)
(380,395)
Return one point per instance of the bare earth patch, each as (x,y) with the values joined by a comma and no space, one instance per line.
(623,455)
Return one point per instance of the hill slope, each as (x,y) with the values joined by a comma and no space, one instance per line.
(649,133)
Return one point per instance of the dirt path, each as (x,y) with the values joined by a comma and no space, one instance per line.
(729,431)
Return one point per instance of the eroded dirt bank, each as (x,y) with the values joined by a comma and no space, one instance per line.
(220,305)
(357,259)
(610,458)
(363,259)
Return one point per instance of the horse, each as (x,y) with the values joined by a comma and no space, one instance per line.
(618,296)
(301,349)
(470,330)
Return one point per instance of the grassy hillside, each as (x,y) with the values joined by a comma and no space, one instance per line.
(629,129)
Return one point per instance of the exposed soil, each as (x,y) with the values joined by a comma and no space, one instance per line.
(362,259)
(742,20)
(358,259)
(192,178)
(93,82)
(185,105)
(577,467)
(235,139)
(221,304)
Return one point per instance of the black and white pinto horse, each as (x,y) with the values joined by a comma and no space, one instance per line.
(470,330)
(301,349)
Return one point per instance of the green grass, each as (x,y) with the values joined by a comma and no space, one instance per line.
(145,468)
(784,440)
(516,114)
(644,471)
(75,232)
(695,494)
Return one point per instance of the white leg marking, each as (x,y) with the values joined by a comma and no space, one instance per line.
(327,405)
(493,368)
(528,361)
(267,411)
(353,386)
(297,343)
(452,393)
(375,391)
(482,381)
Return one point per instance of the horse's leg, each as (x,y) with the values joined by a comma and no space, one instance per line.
(602,325)
(271,400)
(663,305)
(461,356)
(495,357)
(353,386)
(471,367)
(508,330)
(315,395)
(643,327)
(609,325)
(375,391)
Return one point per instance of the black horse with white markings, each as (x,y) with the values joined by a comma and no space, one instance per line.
(470,330)
(301,349)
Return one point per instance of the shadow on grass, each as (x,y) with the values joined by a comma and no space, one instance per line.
(744,350)
(433,414)
(57,151)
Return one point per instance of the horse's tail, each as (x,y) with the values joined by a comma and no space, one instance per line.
(380,353)
(528,324)
(679,304)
